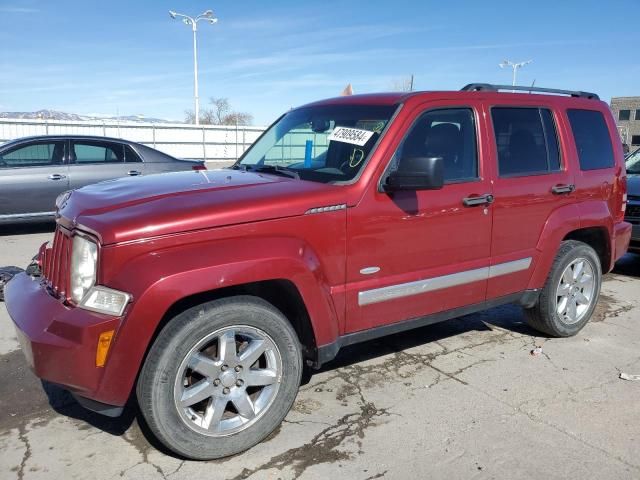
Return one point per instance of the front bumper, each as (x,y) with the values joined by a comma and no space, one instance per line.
(58,341)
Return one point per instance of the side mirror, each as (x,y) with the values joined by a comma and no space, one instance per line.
(416,173)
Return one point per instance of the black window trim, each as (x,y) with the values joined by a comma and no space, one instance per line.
(637,117)
(554,118)
(135,151)
(476,125)
(65,153)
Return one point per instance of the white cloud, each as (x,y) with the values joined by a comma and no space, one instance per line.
(14,9)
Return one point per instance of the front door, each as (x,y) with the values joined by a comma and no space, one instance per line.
(410,254)
(31,177)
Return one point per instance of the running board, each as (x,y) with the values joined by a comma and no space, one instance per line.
(328,352)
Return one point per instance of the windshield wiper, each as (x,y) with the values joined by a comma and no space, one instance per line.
(278,170)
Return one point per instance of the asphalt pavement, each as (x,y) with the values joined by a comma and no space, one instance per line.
(461,399)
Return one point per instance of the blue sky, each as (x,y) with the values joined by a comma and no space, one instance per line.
(103,57)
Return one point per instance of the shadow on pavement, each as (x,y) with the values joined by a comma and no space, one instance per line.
(628,265)
(27,228)
(508,317)
(64,403)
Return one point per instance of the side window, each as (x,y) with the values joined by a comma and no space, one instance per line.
(130,156)
(592,139)
(97,152)
(33,155)
(447,133)
(526,141)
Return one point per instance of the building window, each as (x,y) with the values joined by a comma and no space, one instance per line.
(635,140)
(638,114)
(624,115)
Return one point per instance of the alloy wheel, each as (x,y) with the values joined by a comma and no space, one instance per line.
(576,291)
(228,380)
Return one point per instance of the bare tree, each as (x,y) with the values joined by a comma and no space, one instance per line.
(237,118)
(189,116)
(403,84)
(221,108)
(220,114)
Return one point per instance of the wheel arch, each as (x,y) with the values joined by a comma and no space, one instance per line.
(281,293)
(598,239)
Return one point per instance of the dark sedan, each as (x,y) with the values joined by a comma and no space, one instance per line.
(35,170)
(633,199)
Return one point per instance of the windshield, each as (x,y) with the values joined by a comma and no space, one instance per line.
(329,143)
(633,163)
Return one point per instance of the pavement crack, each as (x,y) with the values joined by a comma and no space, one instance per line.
(323,447)
(22,435)
(377,475)
(144,452)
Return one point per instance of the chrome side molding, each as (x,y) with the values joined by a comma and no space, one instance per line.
(400,290)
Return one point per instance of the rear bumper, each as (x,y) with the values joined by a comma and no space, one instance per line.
(634,244)
(621,237)
(59,342)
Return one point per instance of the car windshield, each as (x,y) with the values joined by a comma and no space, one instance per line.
(329,143)
(633,163)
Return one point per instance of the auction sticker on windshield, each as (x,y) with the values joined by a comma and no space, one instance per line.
(354,136)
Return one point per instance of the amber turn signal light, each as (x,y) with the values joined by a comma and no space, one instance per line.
(104,342)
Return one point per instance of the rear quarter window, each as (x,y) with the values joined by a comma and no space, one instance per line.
(592,138)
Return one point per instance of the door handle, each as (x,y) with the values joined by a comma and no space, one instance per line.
(562,189)
(134,173)
(56,176)
(485,199)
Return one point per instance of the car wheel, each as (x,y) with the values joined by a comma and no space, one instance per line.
(570,293)
(220,377)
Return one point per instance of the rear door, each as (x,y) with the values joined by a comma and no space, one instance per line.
(32,175)
(94,161)
(532,179)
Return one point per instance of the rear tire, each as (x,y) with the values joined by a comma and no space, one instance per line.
(220,377)
(570,293)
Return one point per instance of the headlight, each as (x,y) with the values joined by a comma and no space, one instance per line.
(84,260)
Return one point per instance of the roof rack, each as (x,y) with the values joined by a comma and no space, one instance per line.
(480,87)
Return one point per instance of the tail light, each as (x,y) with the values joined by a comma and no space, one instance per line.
(621,198)
(199,166)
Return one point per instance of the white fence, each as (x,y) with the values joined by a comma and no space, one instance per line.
(212,143)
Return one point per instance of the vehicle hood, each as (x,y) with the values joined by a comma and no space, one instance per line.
(133,208)
(633,184)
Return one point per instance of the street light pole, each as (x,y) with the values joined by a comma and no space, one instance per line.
(515,66)
(207,16)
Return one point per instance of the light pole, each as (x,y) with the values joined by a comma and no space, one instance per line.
(515,66)
(207,16)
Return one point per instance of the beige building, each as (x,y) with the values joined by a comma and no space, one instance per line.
(626,111)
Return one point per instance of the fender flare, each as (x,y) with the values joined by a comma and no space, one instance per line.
(169,275)
(561,222)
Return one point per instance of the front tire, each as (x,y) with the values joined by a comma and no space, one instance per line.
(570,293)
(220,377)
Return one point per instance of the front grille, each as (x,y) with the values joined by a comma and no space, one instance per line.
(55,263)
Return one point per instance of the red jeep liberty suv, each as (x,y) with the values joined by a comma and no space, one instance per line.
(206,292)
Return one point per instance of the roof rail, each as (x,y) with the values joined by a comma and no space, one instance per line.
(479,87)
